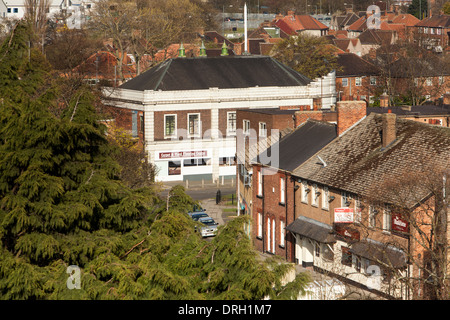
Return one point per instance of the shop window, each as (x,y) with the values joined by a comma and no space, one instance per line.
(174,168)
(197,162)
(346,258)
(227,161)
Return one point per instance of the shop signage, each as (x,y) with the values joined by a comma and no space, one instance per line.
(346,232)
(182,154)
(343,215)
(399,224)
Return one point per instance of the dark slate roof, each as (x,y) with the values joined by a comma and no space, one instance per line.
(353,65)
(302,143)
(216,72)
(357,163)
(312,229)
(411,111)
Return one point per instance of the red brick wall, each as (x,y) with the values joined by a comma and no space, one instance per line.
(123,119)
(269,205)
(348,113)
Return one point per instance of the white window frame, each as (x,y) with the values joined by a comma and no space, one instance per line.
(231,130)
(304,192)
(373,81)
(358,81)
(345,197)
(358,210)
(259,183)
(262,129)
(325,198)
(260,224)
(346,82)
(372,217)
(387,219)
(165,126)
(199,127)
(282,227)
(282,190)
(246,126)
(314,196)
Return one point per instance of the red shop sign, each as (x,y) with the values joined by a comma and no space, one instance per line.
(398,223)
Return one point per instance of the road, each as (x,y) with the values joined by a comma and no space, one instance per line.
(207,192)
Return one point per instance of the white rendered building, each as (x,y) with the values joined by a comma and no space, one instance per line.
(188,108)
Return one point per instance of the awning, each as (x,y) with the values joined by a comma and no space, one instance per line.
(312,229)
(377,251)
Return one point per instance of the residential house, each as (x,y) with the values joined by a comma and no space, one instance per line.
(273,193)
(256,130)
(15,9)
(356,79)
(431,114)
(351,45)
(342,22)
(419,79)
(189,108)
(293,24)
(274,189)
(101,67)
(372,39)
(348,233)
(434,32)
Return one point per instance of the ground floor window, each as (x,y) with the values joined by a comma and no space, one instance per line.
(346,259)
(197,162)
(227,161)
(174,168)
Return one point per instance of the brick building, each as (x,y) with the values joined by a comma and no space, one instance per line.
(357,79)
(189,108)
(327,205)
(273,186)
(349,222)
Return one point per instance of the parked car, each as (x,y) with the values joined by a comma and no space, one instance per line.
(198,215)
(196,210)
(210,227)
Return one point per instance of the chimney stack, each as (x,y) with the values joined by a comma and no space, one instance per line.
(348,113)
(389,132)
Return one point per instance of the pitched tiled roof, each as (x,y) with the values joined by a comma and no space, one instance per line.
(354,65)
(442,21)
(291,24)
(405,19)
(357,163)
(377,37)
(216,72)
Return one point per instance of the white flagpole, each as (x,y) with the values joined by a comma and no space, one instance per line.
(245,27)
